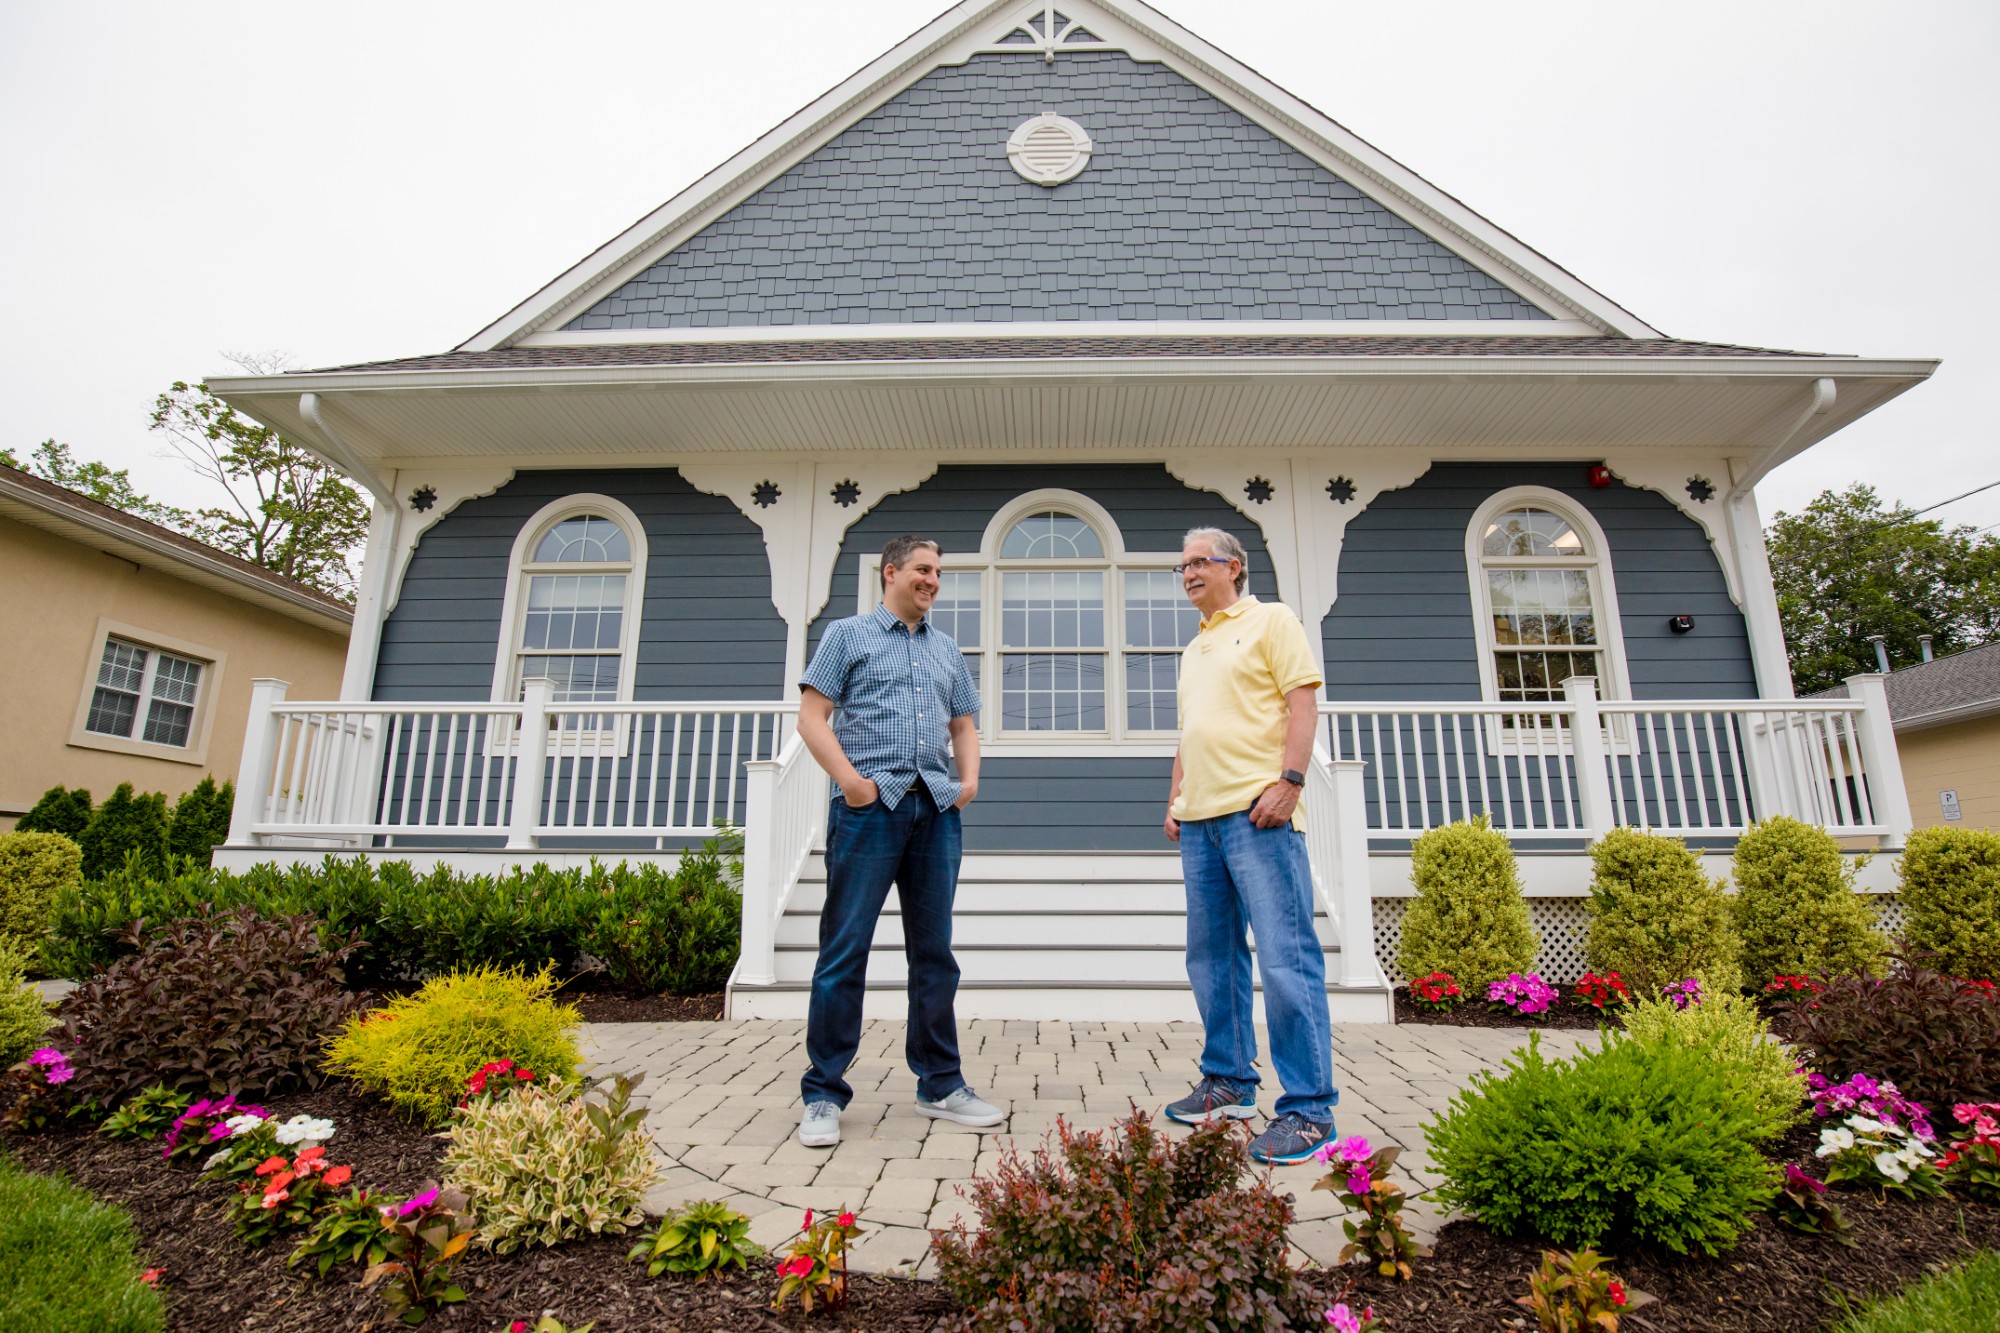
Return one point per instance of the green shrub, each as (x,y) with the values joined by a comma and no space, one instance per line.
(1963,1297)
(1646,1140)
(71,1264)
(703,1238)
(200,821)
(1728,1030)
(1951,900)
(59,811)
(23,1016)
(1796,911)
(126,826)
(545,1164)
(1936,1038)
(214,1004)
(1125,1229)
(655,927)
(33,866)
(1655,918)
(1468,918)
(420,1049)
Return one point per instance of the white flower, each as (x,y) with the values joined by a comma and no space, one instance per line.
(216,1159)
(236,1124)
(304,1129)
(1861,1124)
(1833,1141)
(1888,1164)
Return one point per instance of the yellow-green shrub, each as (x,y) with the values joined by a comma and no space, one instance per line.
(1729,1032)
(419,1049)
(1796,910)
(1951,900)
(23,1016)
(542,1165)
(1655,918)
(32,867)
(1468,918)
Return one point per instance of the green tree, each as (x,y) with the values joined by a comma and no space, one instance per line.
(287,510)
(1846,568)
(53,461)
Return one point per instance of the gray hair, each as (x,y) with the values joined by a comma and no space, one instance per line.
(900,548)
(1225,545)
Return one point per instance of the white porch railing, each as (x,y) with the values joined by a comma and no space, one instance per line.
(1576,768)
(788,798)
(371,774)
(1337,850)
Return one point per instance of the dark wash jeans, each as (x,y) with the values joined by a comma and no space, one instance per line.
(915,846)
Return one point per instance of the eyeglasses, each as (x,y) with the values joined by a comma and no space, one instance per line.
(1200,560)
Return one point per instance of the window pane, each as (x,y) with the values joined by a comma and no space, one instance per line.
(956,609)
(167,723)
(1157,613)
(1052,692)
(1150,681)
(1536,606)
(1057,608)
(1052,536)
(1531,531)
(112,712)
(576,679)
(1537,677)
(176,679)
(123,667)
(574,611)
(587,539)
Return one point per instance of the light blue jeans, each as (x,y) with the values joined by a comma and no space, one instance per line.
(1243,877)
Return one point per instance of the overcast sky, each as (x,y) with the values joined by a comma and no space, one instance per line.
(360,181)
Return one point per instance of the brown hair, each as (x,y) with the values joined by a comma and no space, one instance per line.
(899,548)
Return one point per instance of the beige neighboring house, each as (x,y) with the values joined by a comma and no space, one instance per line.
(1947,718)
(129,649)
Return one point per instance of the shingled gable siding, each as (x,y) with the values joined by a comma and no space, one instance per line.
(1402,627)
(708,629)
(1187,210)
(1061,804)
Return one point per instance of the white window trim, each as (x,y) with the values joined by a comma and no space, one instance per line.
(513,610)
(206,692)
(988,562)
(1614,682)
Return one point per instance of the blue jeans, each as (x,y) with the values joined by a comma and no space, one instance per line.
(915,846)
(1240,876)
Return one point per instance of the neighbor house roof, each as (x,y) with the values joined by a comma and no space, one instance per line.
(63,512)
(1953,688)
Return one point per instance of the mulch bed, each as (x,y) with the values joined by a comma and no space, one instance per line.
(1482,1014)
(608,1005)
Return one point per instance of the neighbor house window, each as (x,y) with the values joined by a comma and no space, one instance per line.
(144,694)
(573,604)
(1542,588)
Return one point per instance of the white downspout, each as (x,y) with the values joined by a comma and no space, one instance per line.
(364,640)
(1753,564)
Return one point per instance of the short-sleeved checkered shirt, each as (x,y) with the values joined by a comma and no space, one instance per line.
(894,694)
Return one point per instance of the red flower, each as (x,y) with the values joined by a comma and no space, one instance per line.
(518,1326)
(276,1185)
(847,1219)
(151,1277)
(270,1164)
(797,1266)
(339,1176)
(807,1224)
(305,1160)
(524,1073)
(1617,1292)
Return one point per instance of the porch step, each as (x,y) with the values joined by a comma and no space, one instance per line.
(1090,936)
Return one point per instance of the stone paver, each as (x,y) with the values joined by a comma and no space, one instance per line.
(722,1104)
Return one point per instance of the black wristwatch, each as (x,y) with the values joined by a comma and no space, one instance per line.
(1293,776)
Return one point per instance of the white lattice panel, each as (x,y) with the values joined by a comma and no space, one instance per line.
(1889,914)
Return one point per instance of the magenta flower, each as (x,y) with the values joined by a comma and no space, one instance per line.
(1359,1181)
(1343,1319)
(418,1204)
(1796,1179)
(54,1065)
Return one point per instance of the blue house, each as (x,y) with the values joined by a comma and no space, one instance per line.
(1054,283)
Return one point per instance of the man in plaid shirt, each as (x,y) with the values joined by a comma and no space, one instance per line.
(902,691)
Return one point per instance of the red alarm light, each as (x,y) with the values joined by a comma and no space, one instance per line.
(1600,476)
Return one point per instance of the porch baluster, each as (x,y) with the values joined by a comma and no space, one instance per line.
(531,748)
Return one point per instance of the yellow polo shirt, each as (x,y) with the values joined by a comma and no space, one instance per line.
(1234,678)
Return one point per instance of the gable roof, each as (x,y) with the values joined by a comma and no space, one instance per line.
(1405,248)
(1952,688)
(78,518)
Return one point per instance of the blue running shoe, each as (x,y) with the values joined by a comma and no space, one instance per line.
(1290,1139)
(1213,1099)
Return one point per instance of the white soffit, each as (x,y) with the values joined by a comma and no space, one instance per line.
(982,25)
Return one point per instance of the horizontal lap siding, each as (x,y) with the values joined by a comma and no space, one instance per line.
(1051,803)
(1402,628)
(707,627)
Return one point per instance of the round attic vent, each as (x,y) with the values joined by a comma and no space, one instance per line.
(1049,149)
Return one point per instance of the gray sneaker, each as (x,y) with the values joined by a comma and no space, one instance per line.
(963,1108)
(820,1126)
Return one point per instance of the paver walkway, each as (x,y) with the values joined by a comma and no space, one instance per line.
(723,1106)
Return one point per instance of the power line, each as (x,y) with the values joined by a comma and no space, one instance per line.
(1955,499)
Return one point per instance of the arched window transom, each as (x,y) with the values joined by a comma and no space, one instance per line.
(1543,585)
(573,602)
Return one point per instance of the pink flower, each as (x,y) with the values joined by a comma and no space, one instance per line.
(797,1266)
(847,1219)
(1359,1181)
(518,1326)
(418,1204)
(276,1197)
(807,1224)
(1343,1319)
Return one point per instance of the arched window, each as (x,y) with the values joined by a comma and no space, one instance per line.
(573,602)
(1543,598)
(1068,634)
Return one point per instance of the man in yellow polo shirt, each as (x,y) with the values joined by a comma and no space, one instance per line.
(1249,703)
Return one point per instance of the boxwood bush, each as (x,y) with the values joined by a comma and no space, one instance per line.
(33,866)
(1951,900)
(1639,1139)
(653,928)
(1728,1030)
(1468,918)
(1796,909)
(1655,917)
